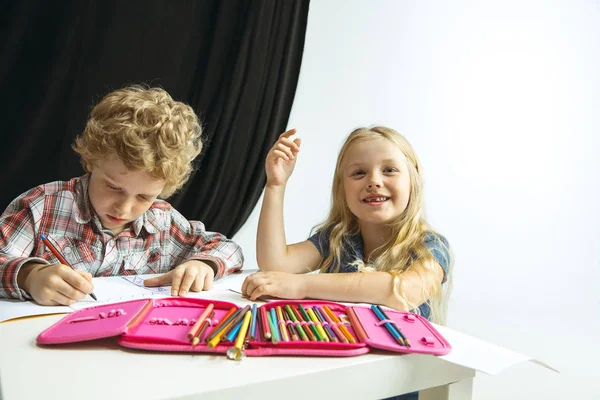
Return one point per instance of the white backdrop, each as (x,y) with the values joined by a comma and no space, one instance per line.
(500,100)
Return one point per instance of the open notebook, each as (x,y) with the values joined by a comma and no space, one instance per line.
(112,289)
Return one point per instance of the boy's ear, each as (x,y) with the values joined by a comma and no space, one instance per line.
(89,166)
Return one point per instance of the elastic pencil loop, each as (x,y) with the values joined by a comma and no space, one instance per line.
(288,322)
(325,323)
(379,323)
(303,323)
(209,321)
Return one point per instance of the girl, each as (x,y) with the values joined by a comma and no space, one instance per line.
(374,246)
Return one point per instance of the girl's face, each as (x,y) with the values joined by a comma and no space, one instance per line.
(376,181)
(119,196)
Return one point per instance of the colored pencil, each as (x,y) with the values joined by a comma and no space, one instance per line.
(309,333)
(282,325)
(232,334)
(292,316)
(314,318)
(273,326)
(198,338)
(404,338)
(312,326)
(237,352)
(238,318)
(265,323)
(194,331)
(226,319)
(62,260)
(334,326)
(343,328)
(252,330)
(356,324)
(325,323)
(393,332)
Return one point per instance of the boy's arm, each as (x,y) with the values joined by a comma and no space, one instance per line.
(272,252)
(17,242)
(189,240)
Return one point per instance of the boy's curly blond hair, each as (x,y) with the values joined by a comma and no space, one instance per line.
(147,130)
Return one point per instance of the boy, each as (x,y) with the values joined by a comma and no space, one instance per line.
(138,146)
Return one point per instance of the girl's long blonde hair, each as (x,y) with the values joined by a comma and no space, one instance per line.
(406,244)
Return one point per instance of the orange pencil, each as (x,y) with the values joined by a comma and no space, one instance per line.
(343,328)
(282,327)
(194,331)
(216,329)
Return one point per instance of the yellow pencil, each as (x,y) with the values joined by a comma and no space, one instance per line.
(314,318)
(236,352)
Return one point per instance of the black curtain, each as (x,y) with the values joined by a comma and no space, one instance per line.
(236,62)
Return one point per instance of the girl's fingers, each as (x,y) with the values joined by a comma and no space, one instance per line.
(282,147)
(288,133)
(291,144)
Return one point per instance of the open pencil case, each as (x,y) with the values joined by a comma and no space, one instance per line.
(164,325)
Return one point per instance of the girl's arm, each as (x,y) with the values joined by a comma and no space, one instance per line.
(272,251)
(359,287)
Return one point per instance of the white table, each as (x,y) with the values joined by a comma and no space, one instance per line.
(104,370)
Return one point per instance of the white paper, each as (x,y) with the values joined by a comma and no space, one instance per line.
(114,289)
(480,355)
(11,309)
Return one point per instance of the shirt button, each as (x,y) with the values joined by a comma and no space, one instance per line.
(67,250)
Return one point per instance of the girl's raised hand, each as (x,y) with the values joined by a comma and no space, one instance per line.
(281,159)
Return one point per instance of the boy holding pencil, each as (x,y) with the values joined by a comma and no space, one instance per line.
(137,148)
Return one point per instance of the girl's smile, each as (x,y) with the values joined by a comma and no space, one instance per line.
(376,181)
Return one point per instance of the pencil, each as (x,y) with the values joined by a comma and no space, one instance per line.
(299,328)
(306,317)
(62,260)
(333,324)
(404,338)
(328,330)
(265,323)
(309,332)
(220,324)
(197,339)
(343,328)
(393,332)
(192,333)
(273,324)
(239,316)
(356,324)
(252,330)
(284,332)
(237,352)
(314,318)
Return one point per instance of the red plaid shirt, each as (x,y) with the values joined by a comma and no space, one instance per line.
(156,242)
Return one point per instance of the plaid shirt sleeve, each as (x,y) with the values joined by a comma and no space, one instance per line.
(17,240)
(189,240)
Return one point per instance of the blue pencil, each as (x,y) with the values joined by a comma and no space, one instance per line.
(233,333)
(274,326)
(252,331)
(395,334)
(404,339)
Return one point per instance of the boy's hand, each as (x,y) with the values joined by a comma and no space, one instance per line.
(192,275)
(274,284)
(281,159)
(55,284)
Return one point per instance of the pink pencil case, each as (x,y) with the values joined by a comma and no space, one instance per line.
(163,325)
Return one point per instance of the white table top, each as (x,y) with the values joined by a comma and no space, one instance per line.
(104,370)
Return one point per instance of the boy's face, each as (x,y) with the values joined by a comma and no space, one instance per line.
(118,195)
